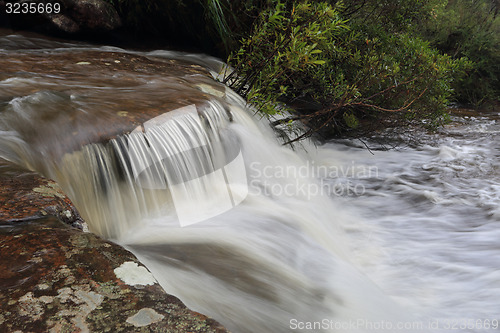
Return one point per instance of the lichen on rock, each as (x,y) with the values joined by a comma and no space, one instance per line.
(145,317)
(56,278)
(133,274)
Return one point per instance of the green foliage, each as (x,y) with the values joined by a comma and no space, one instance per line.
(389,15)
(285,48)
(350,120)
(308,52)
(343,63)
(403,74)
(470,28)
(217,14)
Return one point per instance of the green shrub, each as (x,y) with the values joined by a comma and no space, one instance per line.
(470,28)
(343,63)
(308,53)
(281,56)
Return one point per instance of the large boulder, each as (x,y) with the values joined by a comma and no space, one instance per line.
(57,278)
(92,15)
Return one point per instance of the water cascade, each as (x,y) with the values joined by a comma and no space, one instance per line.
(190,194)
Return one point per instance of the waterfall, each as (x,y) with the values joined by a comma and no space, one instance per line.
(205,196)
(176,165)
(257,235)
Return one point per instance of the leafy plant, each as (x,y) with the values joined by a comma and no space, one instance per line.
(470,28)
(343,74)
(282,52)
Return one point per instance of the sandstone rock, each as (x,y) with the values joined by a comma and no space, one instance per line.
(112,112)
(64,23)
(55,278)
(25,195)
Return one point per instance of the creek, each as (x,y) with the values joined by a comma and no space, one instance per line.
(261,237)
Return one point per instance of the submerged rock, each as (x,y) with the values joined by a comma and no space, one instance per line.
(53,101)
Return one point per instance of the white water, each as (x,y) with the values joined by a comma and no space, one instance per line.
(331,235)
(434,223)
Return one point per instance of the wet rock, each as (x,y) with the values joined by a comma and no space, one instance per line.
(25,195)
(64,23)
(56,278)
(124,91)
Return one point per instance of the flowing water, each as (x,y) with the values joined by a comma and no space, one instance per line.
(261,237)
